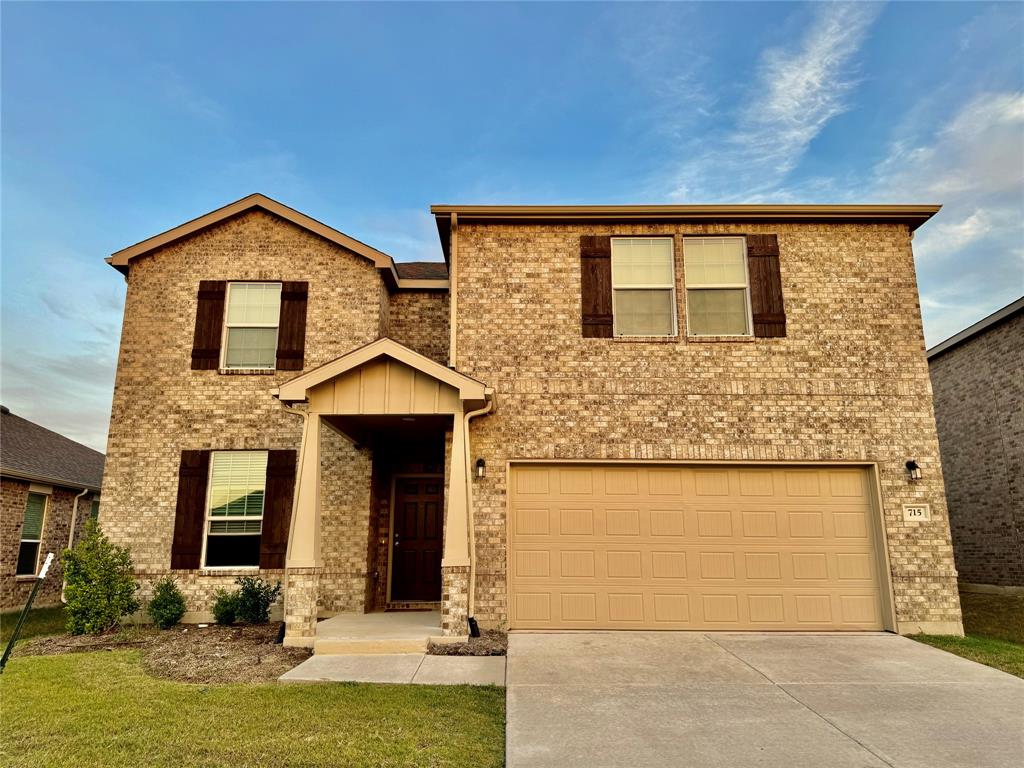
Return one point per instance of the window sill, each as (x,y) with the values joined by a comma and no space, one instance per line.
(25,577)
(228,570)
(647,339)
(720,339)
(246,371)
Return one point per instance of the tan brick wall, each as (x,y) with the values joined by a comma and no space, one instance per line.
(162,407)
(13,497)
(849,383)
(419,320)
(979,410)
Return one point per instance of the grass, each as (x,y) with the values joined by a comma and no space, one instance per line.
(994,629)
(101,709)
(40,621)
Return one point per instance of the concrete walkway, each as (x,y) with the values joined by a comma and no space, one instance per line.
(394,632)
(643,699)
(400,668)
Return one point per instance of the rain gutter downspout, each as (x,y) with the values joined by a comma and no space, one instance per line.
(71,538)
(471,604)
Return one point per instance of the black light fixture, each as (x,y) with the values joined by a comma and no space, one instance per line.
(481,465)
(913,471)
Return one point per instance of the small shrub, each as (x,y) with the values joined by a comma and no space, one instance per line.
(168,603)
(225,607)
(255,597)
(100,587)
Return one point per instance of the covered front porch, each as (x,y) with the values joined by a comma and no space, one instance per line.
(386,437)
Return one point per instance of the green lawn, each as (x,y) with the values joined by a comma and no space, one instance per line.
(40,621)
(101,709)
(994,628)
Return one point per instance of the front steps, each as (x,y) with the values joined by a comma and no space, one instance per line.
(376,633)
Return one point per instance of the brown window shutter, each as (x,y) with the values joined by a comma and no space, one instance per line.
(209,325)
(277,508)
(769,313)
(291,334)
(596,285)
(190,516)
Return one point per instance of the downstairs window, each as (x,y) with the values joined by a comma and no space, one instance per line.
(234,509)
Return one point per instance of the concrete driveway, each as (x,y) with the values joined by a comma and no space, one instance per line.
(685,699)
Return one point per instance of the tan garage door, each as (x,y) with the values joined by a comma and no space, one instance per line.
(667,547)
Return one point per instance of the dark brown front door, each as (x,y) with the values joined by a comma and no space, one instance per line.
(416,542)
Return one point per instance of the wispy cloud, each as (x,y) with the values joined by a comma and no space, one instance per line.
(795,93)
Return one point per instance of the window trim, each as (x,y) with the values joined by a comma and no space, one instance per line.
(38,542)
(223,362)
(672,288)
(720,286)
(208,518)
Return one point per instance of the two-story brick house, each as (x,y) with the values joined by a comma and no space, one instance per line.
(676,417)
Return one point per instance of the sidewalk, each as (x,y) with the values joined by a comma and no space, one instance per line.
(416,668)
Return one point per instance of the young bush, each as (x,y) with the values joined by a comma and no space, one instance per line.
(255,597)
(168,604)
(225,607)
(100,588)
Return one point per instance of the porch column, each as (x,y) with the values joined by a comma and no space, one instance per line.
(303,563)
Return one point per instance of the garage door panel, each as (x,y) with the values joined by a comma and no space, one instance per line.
(692,548)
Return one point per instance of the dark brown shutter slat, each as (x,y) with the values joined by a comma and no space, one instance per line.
(596,285)
(291,334)
(209,325)
(277,508)
(190,514)
(769,313)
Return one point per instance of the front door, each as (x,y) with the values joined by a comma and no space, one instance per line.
(416,539)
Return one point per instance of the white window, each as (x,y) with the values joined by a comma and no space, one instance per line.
(234,509)
(250,326)
(643,286)
(31,535)
(717,286)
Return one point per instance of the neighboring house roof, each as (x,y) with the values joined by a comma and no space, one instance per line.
(997,317)
(912,215)
(422,270)
(121,259)
(31,452)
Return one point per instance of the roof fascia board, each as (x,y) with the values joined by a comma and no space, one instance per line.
(15,474)
(296,389)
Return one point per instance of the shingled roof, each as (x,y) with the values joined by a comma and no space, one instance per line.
(422,270)
(32,452)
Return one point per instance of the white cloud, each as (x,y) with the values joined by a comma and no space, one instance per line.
(796,92)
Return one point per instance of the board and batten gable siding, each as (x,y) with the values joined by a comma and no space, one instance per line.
(847,382)
(162,407)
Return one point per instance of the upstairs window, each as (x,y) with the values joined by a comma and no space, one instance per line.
(251,324)
(643,286)
(717,286)
(31,535)
(234,510)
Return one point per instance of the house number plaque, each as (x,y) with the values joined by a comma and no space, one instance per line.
(917,512)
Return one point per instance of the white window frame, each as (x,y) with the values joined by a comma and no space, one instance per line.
(208,518)
(228,325)
(720,286)
(645,287)
(38,542)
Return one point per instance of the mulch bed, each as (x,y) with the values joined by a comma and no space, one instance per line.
(492,642)
(188,653)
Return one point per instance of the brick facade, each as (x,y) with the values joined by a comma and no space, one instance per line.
(848,383)
(979,411)
(14,590)
(419,320)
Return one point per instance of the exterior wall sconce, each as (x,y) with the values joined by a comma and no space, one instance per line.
(481,465)
(913,471)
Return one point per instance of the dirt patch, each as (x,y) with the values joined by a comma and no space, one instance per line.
(492,642)
(189,653)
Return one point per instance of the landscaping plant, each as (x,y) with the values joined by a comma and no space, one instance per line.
(100,587)
(225,606)
(255,597)
(168,603)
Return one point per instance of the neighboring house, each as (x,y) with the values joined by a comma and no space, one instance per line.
(678,417)
(49,486)
(978,386)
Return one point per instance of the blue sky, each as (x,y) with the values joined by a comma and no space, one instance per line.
(122,120)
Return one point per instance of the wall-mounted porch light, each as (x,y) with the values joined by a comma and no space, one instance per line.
(913,471)
(481,466)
